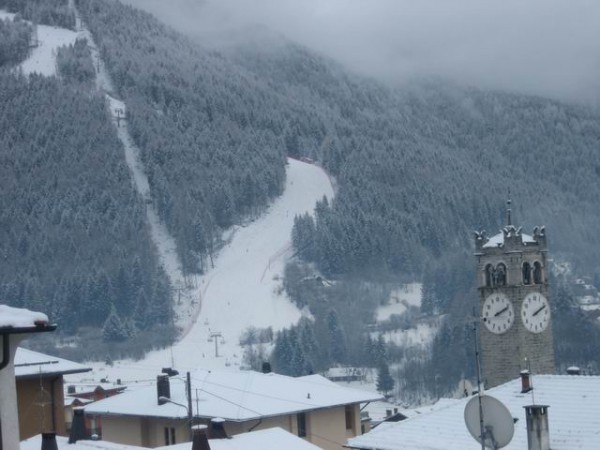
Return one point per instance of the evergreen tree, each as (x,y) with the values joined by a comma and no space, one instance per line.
(114,330)
(385,382)
(337,338)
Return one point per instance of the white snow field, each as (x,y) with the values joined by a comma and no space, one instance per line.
(400,300)
(42,58)
(243,290)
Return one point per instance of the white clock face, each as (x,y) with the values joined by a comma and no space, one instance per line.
(498,314)
(535,312)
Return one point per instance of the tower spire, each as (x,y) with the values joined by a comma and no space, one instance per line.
(508,211)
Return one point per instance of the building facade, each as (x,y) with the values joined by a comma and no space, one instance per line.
(514,299)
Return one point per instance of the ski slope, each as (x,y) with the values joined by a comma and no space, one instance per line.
(244,288)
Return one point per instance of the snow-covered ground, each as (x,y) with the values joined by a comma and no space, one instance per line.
(400,300)
(421,335)
(243,290)
(42,58)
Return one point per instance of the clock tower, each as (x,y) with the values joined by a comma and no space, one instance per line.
(516,326)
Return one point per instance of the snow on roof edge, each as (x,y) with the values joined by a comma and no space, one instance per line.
(21,318)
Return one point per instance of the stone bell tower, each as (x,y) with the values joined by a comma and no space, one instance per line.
(514,300)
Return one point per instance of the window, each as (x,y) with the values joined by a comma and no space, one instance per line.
(488,275)
(169,435)
(301,422)
(526,273)
(501,274)
(349,417)
(537,273)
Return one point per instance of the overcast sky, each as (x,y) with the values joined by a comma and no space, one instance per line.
(545,47)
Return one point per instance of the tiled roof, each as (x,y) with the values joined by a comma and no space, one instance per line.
(573,416)
(235,396)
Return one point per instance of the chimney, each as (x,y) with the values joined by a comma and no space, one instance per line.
(70,389)
(218,428)
(163,388)
(538,435)
(266,367)
(573,370)
(525,382)
(199,438)
(49,441)
(169,371)
(77,427)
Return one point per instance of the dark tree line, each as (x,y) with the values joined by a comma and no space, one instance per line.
(15,36)
(213,153)
(73,237)
(45,12)
(75,65)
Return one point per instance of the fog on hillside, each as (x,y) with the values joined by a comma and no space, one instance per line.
(543,47)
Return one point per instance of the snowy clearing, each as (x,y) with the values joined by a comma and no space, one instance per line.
(400,300)
(42,58)
(421,335)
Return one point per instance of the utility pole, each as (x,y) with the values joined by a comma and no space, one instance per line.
(188,389)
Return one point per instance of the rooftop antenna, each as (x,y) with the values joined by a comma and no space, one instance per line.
(508,211)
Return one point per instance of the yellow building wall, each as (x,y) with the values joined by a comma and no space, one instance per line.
(145,432)
(41,405)
(325,428)
(122,429)
(156,431)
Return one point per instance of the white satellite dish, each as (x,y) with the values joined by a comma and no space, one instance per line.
(495,422)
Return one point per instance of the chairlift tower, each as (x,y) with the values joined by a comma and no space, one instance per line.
(216,335)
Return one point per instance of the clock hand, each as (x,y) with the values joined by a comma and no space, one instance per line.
(539,310)
(502,311)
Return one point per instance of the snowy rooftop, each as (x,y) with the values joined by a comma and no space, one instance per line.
(30,364)
(574,419)
(83,388)
(35,443)
(498,240)
(235,396)
(269,439)
(20,318)
(378,411)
